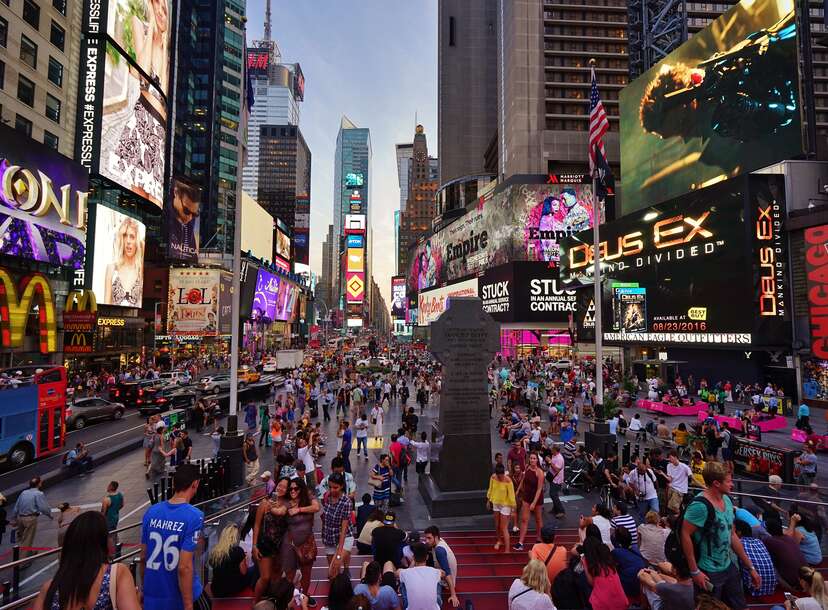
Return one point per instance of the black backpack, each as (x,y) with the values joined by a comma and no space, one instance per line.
(672,545)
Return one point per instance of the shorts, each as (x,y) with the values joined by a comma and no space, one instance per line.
(346,547)
(503,510)
(674,498)
(727,454)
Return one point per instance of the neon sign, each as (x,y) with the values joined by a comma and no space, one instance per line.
(34,290)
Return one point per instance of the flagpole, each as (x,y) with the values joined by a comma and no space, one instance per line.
(596,275)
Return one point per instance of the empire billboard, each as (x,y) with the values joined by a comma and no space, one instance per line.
(724,103)
(523,222)
(708,268)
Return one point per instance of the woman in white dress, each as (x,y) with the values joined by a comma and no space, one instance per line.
(377,416)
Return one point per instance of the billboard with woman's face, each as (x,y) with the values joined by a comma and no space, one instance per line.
(142,29)
(133,131)
(118,263)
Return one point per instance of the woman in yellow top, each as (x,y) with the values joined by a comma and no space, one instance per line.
(697,465)
(680,435)
(501,497)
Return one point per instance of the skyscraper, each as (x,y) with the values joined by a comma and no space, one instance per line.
(419,211)
(351,192)
(405,152)
(209,96)
(284,172)
(466,85)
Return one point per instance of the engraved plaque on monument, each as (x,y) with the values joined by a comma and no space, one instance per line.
(464,339)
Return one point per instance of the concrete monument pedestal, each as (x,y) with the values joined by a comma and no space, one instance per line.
(464,339)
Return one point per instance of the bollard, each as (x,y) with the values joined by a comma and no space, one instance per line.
(133,568)
(118,548)
(156,490)
(16,571)
(6,592)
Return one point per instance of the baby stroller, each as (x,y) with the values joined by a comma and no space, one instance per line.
(575,474)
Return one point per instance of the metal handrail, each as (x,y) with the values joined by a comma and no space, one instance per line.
(23,601)
(31,558)
(760,482)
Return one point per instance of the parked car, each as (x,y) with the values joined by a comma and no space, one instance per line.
(215,384)
(128,392)
(248,374)
(166,398)
(176,377)
(86,410)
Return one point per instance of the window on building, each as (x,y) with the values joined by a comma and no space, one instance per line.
(52,108)
(23,124)
(57,36)
(28,51)
(451,32)
(25,90)
(60,5)
(55,72)
(51,140)
(2,74)
(4,31)
(31,14)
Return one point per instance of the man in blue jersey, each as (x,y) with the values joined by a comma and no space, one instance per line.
(169,537)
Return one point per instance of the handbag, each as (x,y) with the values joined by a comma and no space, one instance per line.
(307,551)
(375,483)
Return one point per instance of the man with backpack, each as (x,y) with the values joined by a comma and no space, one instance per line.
(709,541)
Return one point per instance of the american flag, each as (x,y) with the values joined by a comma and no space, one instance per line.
(598,124)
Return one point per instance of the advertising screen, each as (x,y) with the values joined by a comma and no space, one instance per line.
(354,180)
(301,230)
(724,103)
(398,300)
(118,258)
(42,204)
(265,296)
(182,218)
(282,244)
(816,266)
(134,130)
(522,222)
(526,291)
(355,286)
(432,303)
(354,240)
(225,303)
(193,302)
(356,259)
(298,83)
(257,229)
(142,29)
(692,273)
(257,62)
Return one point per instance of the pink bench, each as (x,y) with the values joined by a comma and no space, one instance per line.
(776,422)
(660,407)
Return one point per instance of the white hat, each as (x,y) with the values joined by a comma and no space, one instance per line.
(266,475)
(160,425)
(775,479)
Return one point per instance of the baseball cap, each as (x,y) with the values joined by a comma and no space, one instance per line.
(390,518)
(266,475)
(160,425)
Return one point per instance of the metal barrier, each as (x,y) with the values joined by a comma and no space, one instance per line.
(214,508)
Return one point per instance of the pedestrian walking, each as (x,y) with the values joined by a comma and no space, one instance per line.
(31,504)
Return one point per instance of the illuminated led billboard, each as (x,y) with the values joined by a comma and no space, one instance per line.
(399,302)
(724,103)
(118,263)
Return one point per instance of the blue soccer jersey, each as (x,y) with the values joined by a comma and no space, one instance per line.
(167,530)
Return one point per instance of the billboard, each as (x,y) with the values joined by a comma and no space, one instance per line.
(193,302)
(265,296)
(225,303)
(399,302)
(80,320)
(282,244)
(354,180)
(257,229)
(432,303)
(354,222)
(141,28)
(354,240)
(355,286)
(134,129)
(695,271)
(526,291)
(298,83)
(182,221)
(816,259)
(724,103)
(18,301)
(257,62)
(356,259)
(43,199)
(301,230)
(118,259)
(519,222)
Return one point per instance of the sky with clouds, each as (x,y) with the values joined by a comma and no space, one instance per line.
(374,61)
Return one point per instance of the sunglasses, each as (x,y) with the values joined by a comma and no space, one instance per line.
(293,489)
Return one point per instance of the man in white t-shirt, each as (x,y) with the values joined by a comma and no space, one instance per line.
(678,474)
(361,427)
(643,481)
(420,584)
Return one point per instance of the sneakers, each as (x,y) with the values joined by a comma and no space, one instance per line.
(515,530)
(518,547)
(311,602)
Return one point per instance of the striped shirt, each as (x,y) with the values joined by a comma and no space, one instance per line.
(626,521)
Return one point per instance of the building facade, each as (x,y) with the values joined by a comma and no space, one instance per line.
(39,67)
(352,157)
(274,102)
(544,48)
(419,211)
(284,170)
(208,131)
(466,85)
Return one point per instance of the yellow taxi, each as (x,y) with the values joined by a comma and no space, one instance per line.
(248,374)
